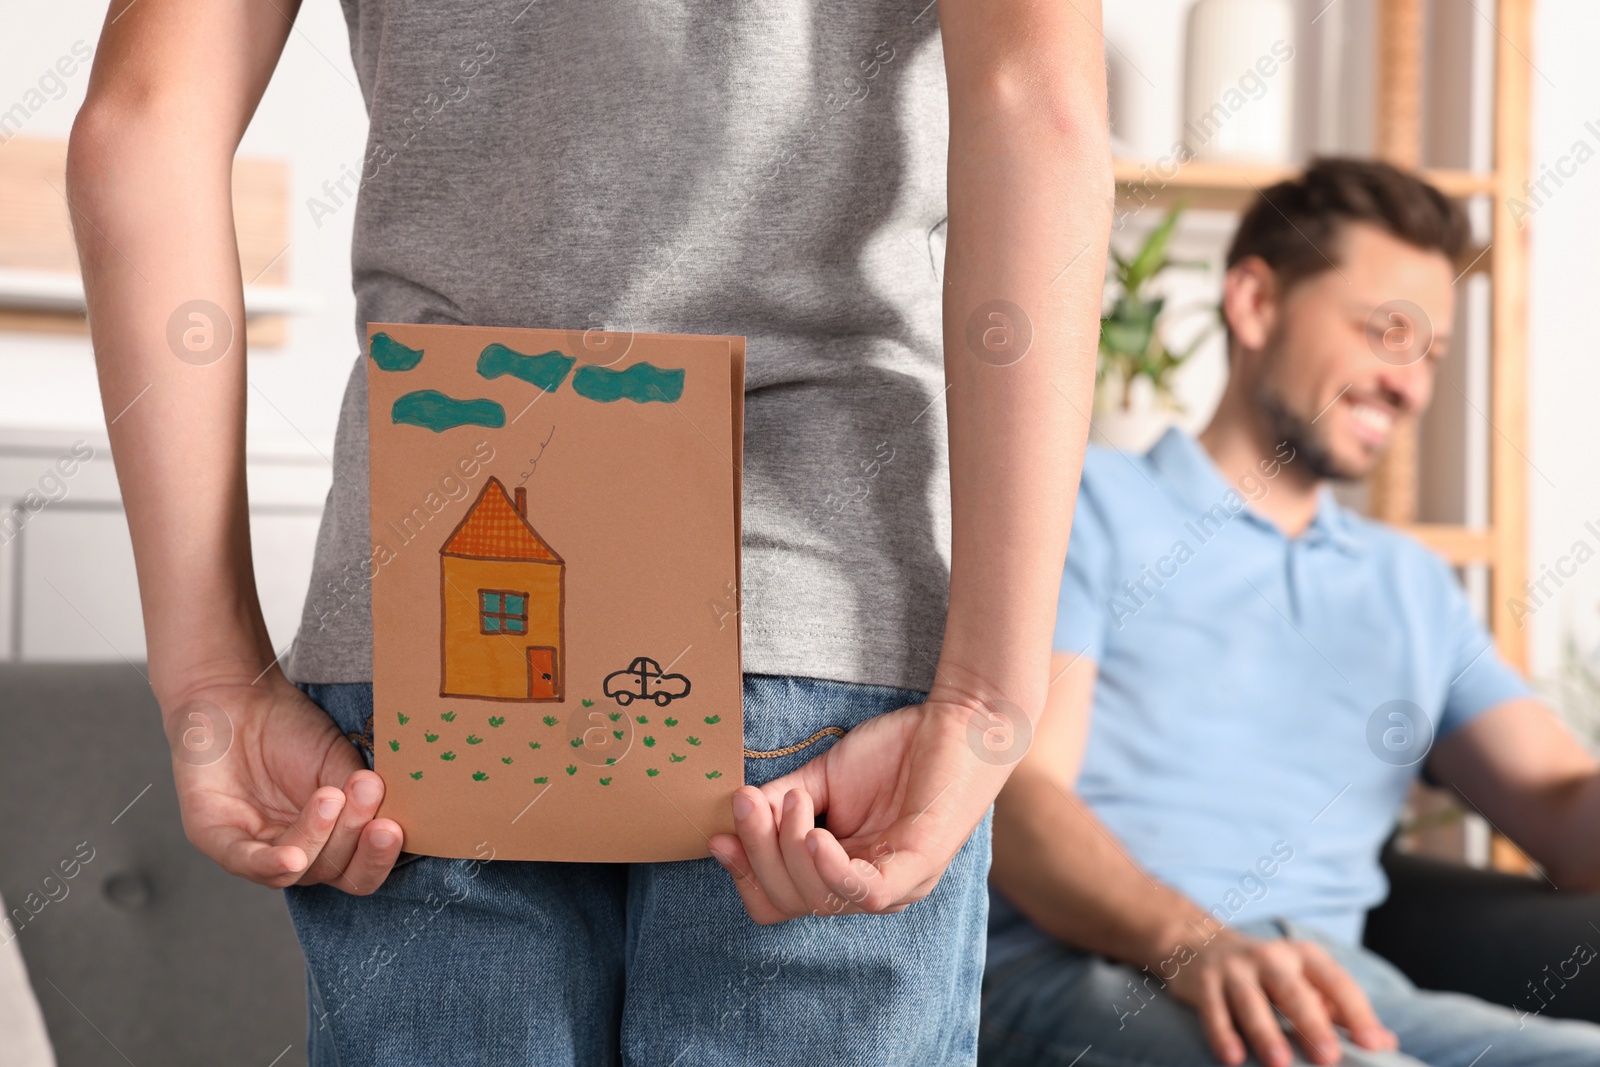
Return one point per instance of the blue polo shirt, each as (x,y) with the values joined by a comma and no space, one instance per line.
(1263,702)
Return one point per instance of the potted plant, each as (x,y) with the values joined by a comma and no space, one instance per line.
(1134,400)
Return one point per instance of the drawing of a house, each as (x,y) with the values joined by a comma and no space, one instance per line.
(503,590)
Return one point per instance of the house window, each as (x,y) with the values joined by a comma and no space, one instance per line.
(502,612)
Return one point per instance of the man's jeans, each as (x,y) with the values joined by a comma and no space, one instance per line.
(499,963)
(1056,1006)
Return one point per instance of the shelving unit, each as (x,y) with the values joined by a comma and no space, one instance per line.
(1501,545)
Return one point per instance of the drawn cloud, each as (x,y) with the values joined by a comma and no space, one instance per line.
(547,370)
(390,354)
(434,411)
(640,383)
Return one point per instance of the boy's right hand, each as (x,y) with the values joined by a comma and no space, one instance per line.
(271,790)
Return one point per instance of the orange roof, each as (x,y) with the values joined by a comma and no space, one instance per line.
(493,529)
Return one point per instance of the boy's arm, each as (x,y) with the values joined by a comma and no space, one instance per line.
(1030,201)
(1059,864)
(149,182)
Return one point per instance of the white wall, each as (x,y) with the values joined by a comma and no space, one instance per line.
(73,561)
(1565,385)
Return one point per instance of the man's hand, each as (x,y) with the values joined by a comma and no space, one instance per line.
(289,801)
(902,793)
(1236,982)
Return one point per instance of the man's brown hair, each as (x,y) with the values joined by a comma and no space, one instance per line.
(1295,225)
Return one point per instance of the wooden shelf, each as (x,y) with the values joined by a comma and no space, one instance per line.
(1461,546)
(1230,186)
(37,237)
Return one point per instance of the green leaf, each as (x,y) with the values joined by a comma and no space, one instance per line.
(713,774)
(416,774)
(649,742)
(403,717)
(447,755)
(651,771)
(394,746)
(550,720)
(505,759)
(478,776)
(614,716)
(692,740)
(533,744)
(577,742)
(611,761)
(672,722)
(448,716)
(571,769)
(712,720)
(496,720)
(430,738)
(588,703)
(605,781)
(641,720)
(675,758)
(617,734)
(474,739)
(540,781)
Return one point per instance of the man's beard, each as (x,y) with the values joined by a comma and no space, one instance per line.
(1310,446)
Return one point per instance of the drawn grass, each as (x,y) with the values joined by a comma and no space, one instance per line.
(474,739)
(448,716)
(712,720)
(430,738)
(550,720)
(416,774)
(478,776)
(447,756)
(403,717)
(394,746)
(499,720)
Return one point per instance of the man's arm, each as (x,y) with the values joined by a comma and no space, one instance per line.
(1061,867)
(1030,190)
(1520,766)
(149,181)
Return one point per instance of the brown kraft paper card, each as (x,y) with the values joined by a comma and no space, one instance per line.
(555,561)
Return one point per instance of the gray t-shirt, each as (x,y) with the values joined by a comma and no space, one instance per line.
(773,168)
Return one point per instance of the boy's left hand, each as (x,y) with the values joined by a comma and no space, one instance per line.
(902,792)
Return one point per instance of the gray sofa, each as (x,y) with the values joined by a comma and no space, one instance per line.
(147,953)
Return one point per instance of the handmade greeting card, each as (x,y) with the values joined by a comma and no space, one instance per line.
(555,574)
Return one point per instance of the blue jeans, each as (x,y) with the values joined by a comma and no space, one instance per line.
(1057,1006)
(497,963)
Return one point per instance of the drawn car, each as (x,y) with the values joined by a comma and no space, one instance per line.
(642,680)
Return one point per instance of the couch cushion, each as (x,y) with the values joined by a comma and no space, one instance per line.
(135,943)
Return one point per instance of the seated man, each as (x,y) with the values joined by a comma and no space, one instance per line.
(1181,878)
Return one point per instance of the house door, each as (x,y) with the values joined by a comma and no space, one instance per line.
(542,681)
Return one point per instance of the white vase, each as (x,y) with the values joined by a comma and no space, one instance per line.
(1239,75)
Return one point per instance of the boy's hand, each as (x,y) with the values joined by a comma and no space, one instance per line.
(271,790)
(902,792)
(1239,984)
